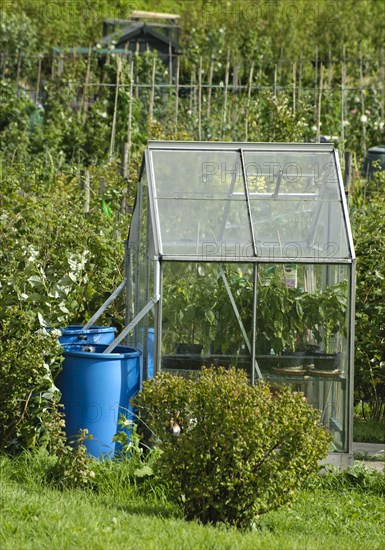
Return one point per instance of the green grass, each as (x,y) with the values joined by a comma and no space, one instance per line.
(33,515)
(369,431)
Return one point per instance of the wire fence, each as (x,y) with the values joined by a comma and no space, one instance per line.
(218,101)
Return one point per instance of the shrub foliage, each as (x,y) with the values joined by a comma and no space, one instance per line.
(29,360)
(241,450)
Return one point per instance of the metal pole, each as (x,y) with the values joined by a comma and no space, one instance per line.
(131,325)
(158,279)
(102,308)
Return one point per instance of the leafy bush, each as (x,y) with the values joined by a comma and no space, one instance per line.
(73,467)
(369,235)
(29,361)
(241,450)
(139,458)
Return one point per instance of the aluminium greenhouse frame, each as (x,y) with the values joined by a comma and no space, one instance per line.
(147,245)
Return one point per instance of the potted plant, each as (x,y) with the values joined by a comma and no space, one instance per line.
(332,304)
(188,314)
(294,323)
(228,337)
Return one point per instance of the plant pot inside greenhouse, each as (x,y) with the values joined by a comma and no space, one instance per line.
(327,361)
(293,359)
(188,349)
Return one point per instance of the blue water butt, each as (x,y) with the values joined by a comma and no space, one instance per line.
(150,353)
(96,387)
(75,334)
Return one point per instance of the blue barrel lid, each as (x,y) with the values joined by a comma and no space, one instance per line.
(120,352)
(75,329)
(378,149)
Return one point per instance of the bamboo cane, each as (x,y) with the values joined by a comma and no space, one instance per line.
(248,102)
(113,131)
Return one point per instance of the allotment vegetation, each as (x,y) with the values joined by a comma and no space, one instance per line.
(72,133)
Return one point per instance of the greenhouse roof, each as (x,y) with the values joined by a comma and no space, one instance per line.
(213,201)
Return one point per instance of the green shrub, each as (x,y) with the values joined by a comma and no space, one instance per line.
(73,467)
(241,450)
(29,360)
(368,216)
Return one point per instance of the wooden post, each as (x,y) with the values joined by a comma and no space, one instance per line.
(294,85)
(192,82)
(209,92)
(60,66)
(382,84)
(343,108)
(248,102)
(152,96)
(316,82)
(235,77)
(299,77)
(362,91)
(234,114)
(102,186)
(123,202)
(113,131)
(279,67)
(18,68)
(200,100)
(330,82)
(319,105)
(170,63)
(38,82)
(126,47)
(177,95)
(275,81)
(124,161)
(53,66)
(226,92)
(87,192)
(137,73)
(127,151)
(84,103)
(3,63)
(348,170)
(195,93)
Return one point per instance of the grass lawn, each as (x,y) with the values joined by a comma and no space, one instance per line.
(34,515)
(369,431)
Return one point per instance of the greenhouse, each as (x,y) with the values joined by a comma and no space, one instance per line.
(241,254)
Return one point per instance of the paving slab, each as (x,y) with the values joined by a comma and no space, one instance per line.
(369,448)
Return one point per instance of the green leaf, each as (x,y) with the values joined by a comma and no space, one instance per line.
(106,209)
(143,472)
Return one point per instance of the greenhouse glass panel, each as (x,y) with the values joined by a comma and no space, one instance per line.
(302,336)
(296,205)
(140,285)
(206,315)
(190,188)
